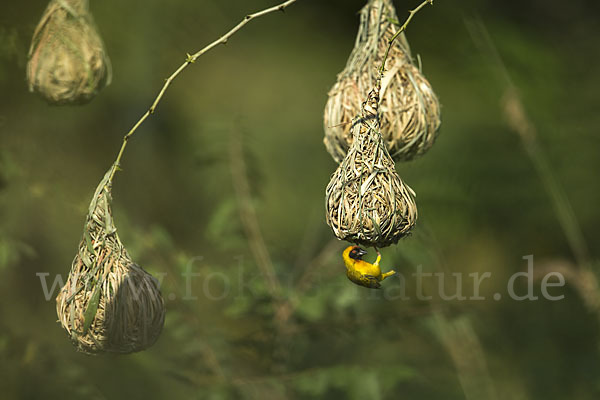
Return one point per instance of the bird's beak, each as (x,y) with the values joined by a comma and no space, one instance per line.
(361,252)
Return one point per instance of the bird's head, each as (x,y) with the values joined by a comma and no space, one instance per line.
(355,252)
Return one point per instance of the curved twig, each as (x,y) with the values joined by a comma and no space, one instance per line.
(402,29)
(190,59)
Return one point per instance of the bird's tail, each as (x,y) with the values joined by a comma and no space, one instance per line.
(390,273)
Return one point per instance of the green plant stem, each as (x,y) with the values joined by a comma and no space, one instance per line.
(564,210)
(519,122)
(249,218)
(190,59)
(402,29)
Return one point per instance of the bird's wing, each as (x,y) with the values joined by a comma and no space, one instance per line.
(371,281)
(365,268)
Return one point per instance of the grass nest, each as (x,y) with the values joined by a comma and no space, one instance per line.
(366,201)
(67,63)
(410,110)
(109,303)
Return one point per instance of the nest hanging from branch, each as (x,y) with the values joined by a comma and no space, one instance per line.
(410,111)
(109,303)
(67,61)
(366,201)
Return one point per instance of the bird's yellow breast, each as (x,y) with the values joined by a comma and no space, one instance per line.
(363,267)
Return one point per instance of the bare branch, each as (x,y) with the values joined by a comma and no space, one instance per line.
(518,121)
(190,59)
(248,216)
(402,29)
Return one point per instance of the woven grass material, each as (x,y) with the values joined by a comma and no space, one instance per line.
(366,201)
(410,111)
(67,61)
(109,303)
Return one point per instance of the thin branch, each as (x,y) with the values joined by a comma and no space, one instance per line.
(462,343)
(402,29)
(583,279)
(209,353)
(287,308)
(248,215)
(190,59)
(333,247)
(519,122)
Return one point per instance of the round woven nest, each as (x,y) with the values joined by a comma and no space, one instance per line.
(409,109)
(366,201)
(67,63)
(109,303)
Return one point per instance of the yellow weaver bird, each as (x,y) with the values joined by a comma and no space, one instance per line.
(361,272)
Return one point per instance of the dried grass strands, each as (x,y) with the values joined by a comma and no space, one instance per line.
(109,303)
(366,201)
(410,111)
(67,61)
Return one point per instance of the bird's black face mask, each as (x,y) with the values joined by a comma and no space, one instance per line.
(357,253)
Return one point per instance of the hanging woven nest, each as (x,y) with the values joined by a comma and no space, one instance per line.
(410,111)
(109,303)
(67,61)
(366,201)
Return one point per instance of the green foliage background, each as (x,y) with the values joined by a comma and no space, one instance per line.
(482,207)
